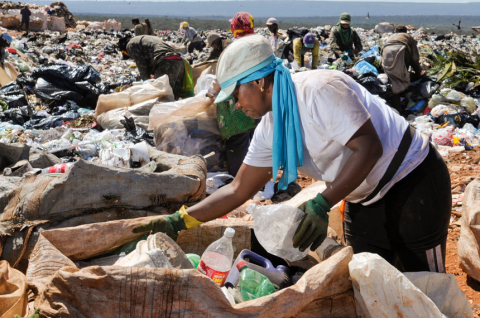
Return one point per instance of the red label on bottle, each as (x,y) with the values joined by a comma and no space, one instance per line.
(217,276)
(60,168)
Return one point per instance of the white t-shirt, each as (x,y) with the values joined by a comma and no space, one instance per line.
(332,107)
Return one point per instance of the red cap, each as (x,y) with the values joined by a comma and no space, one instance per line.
(241,265)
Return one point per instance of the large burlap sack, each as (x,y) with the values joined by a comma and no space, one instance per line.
(385,27)
(139,113)
(10,21)
(468,244)
(56,24)
(63,290)
(13,291)
(91,192)
(39,15)
(198,69)
(116,26)
(159,88)
(36,25)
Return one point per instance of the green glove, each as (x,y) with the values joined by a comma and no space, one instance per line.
(169,225)
(313,228)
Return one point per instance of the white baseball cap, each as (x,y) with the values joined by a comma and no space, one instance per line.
(271,21)
(240,59)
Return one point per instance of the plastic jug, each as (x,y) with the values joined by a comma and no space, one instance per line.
(278,276)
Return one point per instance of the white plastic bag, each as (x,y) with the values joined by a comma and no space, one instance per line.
(203,83)
(275,226)
(443,136)
(383,291)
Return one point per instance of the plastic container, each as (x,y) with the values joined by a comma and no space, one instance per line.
(58,168)
(252,284)
(194,258)
(278,276)
(217,259)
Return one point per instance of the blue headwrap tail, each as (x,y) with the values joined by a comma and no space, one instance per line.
(287,136)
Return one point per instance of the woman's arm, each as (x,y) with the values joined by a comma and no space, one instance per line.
(367,149)
(249,180)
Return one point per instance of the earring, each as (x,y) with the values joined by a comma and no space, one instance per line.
(261,89)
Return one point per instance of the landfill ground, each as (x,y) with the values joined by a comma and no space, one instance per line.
(463,167)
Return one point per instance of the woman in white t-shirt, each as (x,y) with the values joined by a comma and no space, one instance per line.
(327,126)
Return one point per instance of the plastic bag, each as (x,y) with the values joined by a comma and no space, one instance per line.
(364,67)
(203,83)
(159,88)
(275,226)
(72,74)
(380,289)
(443,136)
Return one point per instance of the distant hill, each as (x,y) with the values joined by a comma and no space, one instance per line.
(266,9)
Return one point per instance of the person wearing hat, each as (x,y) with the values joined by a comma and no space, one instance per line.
(277,41)
(329,127)
(218,43)
(5,40)
(155,57)
(398,54)
(309,43)
(191,39)
(242,24)
(344,39)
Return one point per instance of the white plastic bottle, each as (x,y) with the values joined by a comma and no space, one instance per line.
(217,259)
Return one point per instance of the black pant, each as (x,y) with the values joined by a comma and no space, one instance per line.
(409,225)
(175,69)
(195,45)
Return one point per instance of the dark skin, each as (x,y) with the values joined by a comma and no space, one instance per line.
(365,145)
(273,28)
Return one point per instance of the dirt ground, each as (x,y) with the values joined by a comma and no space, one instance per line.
(463,168)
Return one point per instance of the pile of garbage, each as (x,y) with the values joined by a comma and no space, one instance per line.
(75,118)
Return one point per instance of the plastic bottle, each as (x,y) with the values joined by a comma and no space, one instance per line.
(279,276)
(252,284)
(58,168)
(217,259)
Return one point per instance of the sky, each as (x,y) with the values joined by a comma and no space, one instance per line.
(418,1)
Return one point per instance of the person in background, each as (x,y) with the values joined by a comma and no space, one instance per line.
(139,28)
(278,39)
(242,24)
(398,54)
(191,39)
(344,39)
(309,43)
(5,40)
(218,43)
(149,27)
(26,13)
(155,57)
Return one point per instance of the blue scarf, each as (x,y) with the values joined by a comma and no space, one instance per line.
(287,136)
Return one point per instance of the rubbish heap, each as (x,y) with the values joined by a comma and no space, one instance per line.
(88,152)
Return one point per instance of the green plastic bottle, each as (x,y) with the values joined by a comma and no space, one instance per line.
(252,284)
(194,258)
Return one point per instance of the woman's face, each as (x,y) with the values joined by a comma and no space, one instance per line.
(251,100)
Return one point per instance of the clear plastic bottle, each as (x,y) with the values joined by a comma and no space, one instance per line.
(252,284)
(217,259)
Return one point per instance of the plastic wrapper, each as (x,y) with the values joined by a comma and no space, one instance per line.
(203,83)
(364,67)
(443,136)
(275,226)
